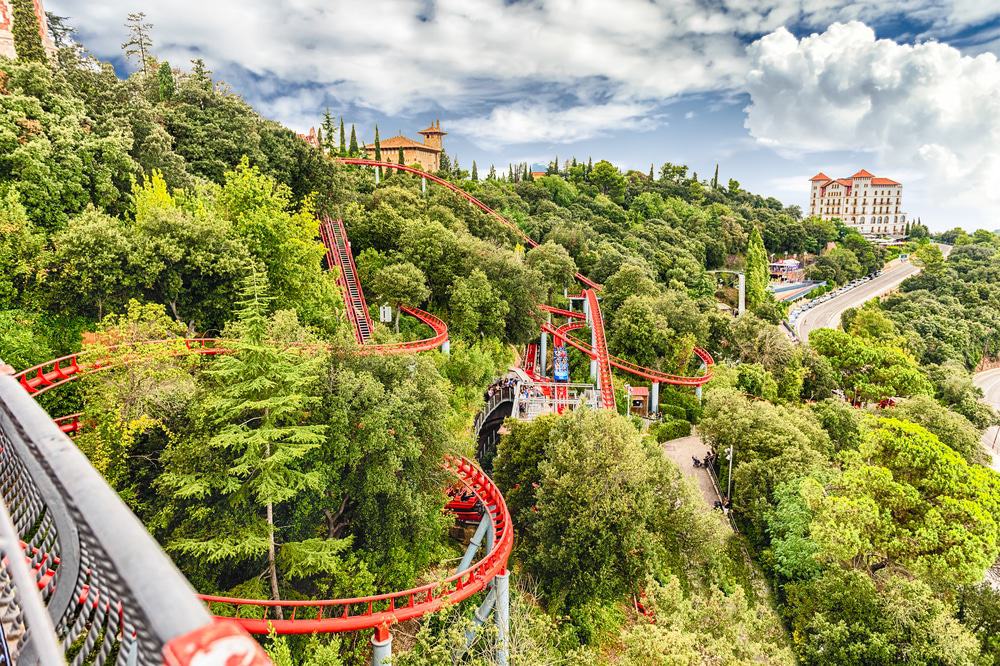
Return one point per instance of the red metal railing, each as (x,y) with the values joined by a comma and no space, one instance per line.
(427,344)
(569,314)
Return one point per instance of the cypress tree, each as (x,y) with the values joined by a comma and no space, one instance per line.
(510,173)
(715,178)
(590,165)
(343,139)
(27,32)
(475,171)
(319,137)
(165,81)
(651,171)
(492,175)
(378,146)
(400,158)
(757,270)
(353,149)
(329,131)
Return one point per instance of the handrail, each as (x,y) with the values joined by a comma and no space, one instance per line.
(98,570)
(569,314)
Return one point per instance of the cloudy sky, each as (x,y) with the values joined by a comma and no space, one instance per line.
(773,90)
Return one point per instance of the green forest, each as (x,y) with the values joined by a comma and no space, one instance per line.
(162,207)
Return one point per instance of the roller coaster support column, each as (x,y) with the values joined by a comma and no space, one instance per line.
(502,616)
(479,617)
(446,347)
(654,398)
(593,345)
(381,647)
(423,184)
(545,350)
(473,548)
(378,171)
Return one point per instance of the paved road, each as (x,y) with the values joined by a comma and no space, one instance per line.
(827,315)
(989,381)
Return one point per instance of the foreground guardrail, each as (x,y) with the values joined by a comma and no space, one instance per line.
(109,591)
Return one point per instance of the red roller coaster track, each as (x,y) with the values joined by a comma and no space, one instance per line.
(333,615)
(632,368)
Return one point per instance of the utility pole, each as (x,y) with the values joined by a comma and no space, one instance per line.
(729,481)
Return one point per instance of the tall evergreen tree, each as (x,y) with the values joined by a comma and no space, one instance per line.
(319,137)
(475,171)
(262,395)
(715,178)
(757,271)
(343,139)
(492,175)
(651,177)
(27,32)
(139,43)
(353,148)
(378,146)
(329,132)
(590,164)
(400,158)
(165,81)
(510,173)
(60,29)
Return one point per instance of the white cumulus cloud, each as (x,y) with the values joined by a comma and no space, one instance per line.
(540,123)
(925,107)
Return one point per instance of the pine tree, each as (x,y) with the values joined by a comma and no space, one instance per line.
(27,32)
(510,173)
(757,271)
(694,176)
(329,131)
(574,160)
(319,137)
(475,171)
(262,395)
(343,139)
(715,178)
(400,159)
(165,81)
(139,43)
(651,171)
(353,149)
(59,29)
(201,74)
(492,175)
(378,146)
(590,165)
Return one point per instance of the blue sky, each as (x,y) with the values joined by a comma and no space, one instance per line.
(772,90)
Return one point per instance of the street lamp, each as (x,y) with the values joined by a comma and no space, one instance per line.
(729,480)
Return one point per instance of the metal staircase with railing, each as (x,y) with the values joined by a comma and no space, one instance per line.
(338,253)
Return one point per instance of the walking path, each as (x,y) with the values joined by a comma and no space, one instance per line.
(681,451)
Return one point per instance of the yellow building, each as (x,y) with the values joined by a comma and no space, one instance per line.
(426,153)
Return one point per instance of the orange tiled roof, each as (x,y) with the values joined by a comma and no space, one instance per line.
(862,174)
(401,141)
(883,181)
(820,176)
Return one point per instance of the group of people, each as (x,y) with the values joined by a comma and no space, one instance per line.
(708,461)
(499,385)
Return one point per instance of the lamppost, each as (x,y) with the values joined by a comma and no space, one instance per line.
(729,480)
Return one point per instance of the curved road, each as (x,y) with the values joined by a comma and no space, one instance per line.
(989,381)
(827,314)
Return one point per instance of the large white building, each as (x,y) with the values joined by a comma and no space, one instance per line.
(869,204)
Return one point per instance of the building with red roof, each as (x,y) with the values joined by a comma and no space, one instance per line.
(865,202)
(426,153)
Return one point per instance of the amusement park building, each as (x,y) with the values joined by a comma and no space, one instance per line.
(426,153)
(7,35)
(865,202)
